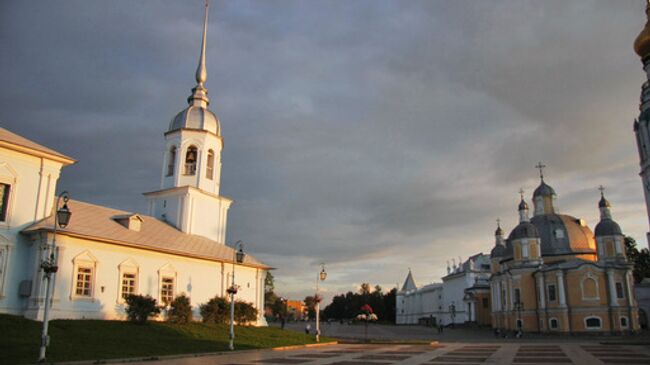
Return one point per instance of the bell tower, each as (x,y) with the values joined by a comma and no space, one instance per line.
(191,170)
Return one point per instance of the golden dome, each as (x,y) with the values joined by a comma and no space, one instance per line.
(642,42)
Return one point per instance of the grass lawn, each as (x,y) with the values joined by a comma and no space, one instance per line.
(94,339)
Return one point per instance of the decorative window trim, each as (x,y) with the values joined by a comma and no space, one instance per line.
(167,271)
(84,260)
(171,160)
(210,163)
(5,248)
(548,292)
(627,322)
(589,276)
(617,285)
(190,168)
(600,321)
(10,177)
(128,266)
(550,324)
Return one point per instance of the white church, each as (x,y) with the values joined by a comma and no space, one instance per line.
(105,254)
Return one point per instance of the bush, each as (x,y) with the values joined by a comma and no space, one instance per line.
(244,312)
(139,308)
(180,310)
(216,310)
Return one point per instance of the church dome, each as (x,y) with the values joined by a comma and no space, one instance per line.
(498,251)
(607,227)
(603,203)
(543,190)
(524,230)
(562,234)
(642,42)
(195,117)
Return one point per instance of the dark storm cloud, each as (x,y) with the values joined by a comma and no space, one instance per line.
(362,134)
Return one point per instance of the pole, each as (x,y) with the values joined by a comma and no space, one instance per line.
(45,338)
(231,346)
(317,310)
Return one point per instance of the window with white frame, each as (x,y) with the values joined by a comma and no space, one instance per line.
(624,322)
(167,287)
(553,323)
(84,281)
(5,190)
(84,272)
(592,323)
(128,285)
(171,161)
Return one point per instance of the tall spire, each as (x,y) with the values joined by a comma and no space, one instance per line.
(199,92)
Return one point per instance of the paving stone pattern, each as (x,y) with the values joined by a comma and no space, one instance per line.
(449,353)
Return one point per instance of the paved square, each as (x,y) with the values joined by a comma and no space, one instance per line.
(440,354)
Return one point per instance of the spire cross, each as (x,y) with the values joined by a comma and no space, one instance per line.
(541,166)
(499,219)
(521,191)
(602,188)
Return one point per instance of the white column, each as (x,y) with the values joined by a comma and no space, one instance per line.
(560,288)
(630,289)
(542,291)
(612,287)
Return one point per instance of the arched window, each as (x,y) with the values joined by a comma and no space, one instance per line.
(171,161)
(209,171)
(592,323)
(190,160)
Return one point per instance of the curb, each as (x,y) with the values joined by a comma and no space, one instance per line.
(386,342)
(187,356)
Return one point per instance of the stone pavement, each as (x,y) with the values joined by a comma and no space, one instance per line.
(522,353)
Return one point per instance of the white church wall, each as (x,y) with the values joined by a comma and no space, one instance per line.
(199,279)
(33,183)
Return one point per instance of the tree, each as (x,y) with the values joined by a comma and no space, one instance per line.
(346,306)
(180,310)
(269,283)
(216,310)
(640,259)
(310,303)
(365,289)
(139,308)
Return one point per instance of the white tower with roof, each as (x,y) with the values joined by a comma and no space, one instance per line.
(191,171)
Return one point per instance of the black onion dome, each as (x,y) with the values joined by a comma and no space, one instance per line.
(603,203)
(607,227)
(498,251)
(523,205)
(524,230)
(543,190)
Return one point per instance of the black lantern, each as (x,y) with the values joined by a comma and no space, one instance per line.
(240,255)
(63,215)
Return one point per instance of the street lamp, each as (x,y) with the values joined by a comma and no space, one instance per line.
(238,256)
(50,267)
(452,314)
(320,277)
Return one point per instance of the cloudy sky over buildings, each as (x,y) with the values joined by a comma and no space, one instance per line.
(372,136)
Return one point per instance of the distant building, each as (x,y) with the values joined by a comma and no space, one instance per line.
(105,254)
(552,274)
(296,309)
(462,297)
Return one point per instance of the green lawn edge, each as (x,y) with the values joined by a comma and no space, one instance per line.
(76,340)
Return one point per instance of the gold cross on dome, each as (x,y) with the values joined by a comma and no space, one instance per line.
(602,188)
(521,191)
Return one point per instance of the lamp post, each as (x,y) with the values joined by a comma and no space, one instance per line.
(452,314)
(50,267)
(238,256)
(320,277)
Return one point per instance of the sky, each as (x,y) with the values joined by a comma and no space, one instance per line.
(372,136)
